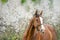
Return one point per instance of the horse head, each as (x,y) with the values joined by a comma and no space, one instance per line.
(37,20)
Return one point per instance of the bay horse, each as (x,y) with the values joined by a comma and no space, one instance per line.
(39,31)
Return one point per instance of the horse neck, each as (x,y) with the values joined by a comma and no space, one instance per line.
(30,31)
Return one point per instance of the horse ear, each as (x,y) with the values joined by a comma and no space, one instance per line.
(41,12)
(35,12)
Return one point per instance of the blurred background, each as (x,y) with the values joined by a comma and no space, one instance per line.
(16,14)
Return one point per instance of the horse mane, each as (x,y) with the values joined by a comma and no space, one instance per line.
(29,31)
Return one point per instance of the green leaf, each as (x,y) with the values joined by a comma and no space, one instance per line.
(33,0)
(36,1)
(23,1)
(4,1)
